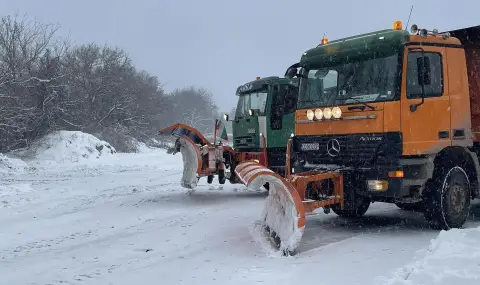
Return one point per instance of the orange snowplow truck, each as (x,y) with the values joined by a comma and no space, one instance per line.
(388,116)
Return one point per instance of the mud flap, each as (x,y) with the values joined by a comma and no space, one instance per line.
(189,141)
(283,217)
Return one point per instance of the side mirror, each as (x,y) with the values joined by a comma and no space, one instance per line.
(291,72)
(225,117)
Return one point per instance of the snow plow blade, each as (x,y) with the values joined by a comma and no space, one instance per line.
(189,141)
(283,217)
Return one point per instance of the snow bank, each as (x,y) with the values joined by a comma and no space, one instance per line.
(67,147)
(70,151)
(452,258)
(12,165)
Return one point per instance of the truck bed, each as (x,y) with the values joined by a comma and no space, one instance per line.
(470,39)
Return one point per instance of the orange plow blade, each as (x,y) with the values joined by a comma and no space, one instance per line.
(283,217)
(188,143)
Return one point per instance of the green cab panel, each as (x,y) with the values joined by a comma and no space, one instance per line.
(246,133)
(272,102)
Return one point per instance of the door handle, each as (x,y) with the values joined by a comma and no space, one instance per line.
(443,134)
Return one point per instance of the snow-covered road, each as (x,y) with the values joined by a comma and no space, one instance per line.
(130,222)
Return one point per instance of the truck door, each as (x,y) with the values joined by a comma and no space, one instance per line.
(425,125)
(276,111)
(284,100)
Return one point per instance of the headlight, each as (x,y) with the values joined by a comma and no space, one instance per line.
(336,112)
(310,115)
(327,113)
(250,112)
(318,114)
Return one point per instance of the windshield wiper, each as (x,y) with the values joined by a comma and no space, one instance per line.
(358,101)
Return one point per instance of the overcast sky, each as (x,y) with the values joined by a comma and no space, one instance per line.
(219,44)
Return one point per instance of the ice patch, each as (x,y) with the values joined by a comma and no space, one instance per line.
(452,258)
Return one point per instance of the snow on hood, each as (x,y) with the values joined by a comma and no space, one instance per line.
(67,147)
(11,165)
(452,258)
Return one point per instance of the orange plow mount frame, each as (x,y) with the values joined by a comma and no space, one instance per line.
(284,216)
(200,157)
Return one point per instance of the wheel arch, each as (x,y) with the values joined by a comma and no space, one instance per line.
(467,159)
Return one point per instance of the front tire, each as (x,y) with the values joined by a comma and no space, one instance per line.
(447,197)
(416,207)
(355,209)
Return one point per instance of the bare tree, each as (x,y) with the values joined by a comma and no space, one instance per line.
(46,84)
(23,89)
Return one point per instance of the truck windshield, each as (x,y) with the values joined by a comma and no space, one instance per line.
(349,82)
(253,100)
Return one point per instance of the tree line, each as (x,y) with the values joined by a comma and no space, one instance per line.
(48,84)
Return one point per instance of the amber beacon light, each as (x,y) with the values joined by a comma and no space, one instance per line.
(397,25)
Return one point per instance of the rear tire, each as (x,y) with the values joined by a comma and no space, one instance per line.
(221,176)
(447,196)
(209,179)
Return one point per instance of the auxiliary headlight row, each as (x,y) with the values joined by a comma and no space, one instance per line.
(326,113)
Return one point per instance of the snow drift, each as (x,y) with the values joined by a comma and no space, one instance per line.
(67,147)
(452,258)
(12,165)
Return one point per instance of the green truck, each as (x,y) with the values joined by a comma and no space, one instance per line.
(263,123)
(265,108)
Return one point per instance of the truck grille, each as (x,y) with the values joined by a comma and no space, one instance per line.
(276,156)
(244,141)
(358,150)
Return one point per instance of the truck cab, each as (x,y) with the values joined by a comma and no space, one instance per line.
(397,114)
(265,114)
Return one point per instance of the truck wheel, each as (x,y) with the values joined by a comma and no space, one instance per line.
(447,197)
(416,207)
(353,210)
(221,176)
(267,186)
(209,179)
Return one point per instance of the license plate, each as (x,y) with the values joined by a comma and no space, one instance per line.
(310,146)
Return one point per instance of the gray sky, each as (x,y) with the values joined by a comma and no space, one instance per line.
(220,44)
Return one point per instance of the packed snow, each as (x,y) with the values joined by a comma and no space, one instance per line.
(452,258)
(9,165)
(117,218)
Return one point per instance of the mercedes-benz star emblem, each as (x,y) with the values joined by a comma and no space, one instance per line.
(333,147)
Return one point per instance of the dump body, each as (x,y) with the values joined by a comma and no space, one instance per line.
(470,39)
